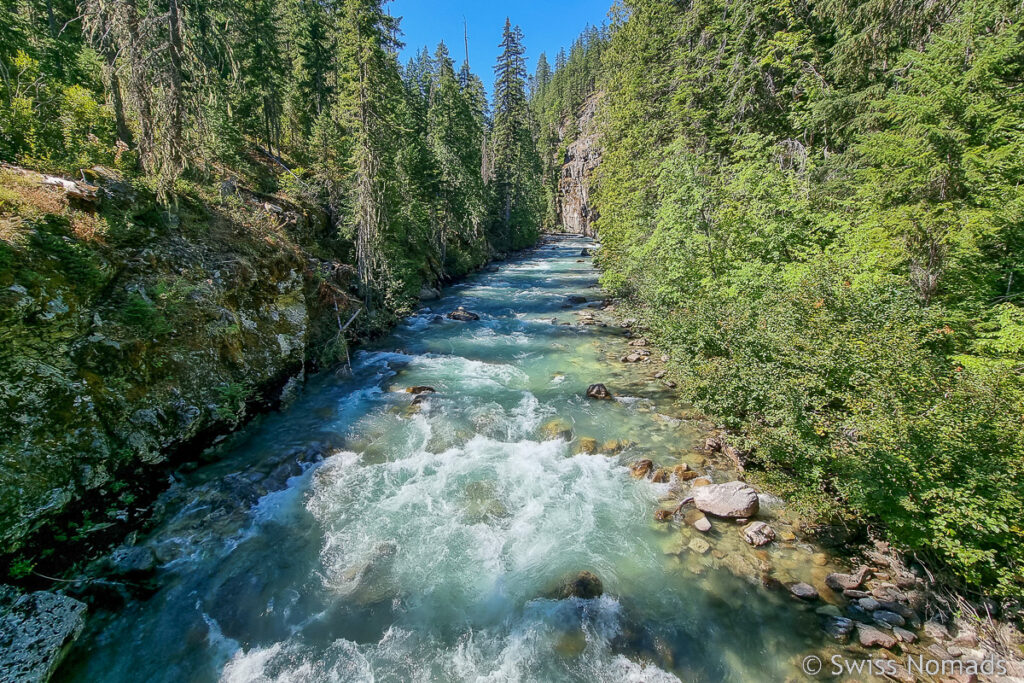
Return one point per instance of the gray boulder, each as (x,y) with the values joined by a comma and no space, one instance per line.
(732,499)
(36,630)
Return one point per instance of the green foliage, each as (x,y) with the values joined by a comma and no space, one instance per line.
(231,399)
(143,316)
(820,213)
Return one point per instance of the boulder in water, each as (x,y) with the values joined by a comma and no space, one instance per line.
(869,636)
(661,476)
(556,429)
(641,468)
(598,391)
(732,499)
(663,515)
(758,534)
(575,300)
(463,315)
(584,585)
(587,445)
(420,390)
(804,591)
(584,252)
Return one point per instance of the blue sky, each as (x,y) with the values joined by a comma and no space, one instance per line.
(547,26)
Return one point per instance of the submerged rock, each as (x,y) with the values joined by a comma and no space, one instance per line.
(421,390)
(587,445)
(732,499)
(758,534)
(575,300)
(556,429)
(598,391)
(585,585)
(462,314)
(36,630)
(804,591)
(663,515)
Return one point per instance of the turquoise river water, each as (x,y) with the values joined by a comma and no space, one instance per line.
(429,542)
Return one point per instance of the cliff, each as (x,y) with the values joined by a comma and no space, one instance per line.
(134,332)
(582,155)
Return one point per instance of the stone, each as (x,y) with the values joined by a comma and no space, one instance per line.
(829,611)
(36,631)
(598,391)
(888,593)
(584,252)
(787,536)
(758,534)
(587,445)
(642,341)
(839,628)
(854,594)
(660,374)
(840,582)
(869,636)
(739,457)
(903,635)
(819,559)
(732,499)
(429,293)
(615,446)
(585,585)
(575,300)
(701,481)
(699,546)
(663,515)
(804,591)
(936,630)
(661,476)
(632,358)
(868,604)
(641,468)
(697,520)
(134,562)
(420,390)
(462,315)
(556,429)
(888,617)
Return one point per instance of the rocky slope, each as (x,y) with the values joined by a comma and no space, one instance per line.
(133,334)
(582,155)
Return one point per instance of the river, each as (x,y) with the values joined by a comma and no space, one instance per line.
(429,542)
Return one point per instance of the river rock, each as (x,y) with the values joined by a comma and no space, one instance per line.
(556,429)
(732,499)
(886,592)
(575,300)
(663,515)
(641,468)
(584,252)
(587,445)
(429,293)
(642,341)
(903,635)
(598,391)
(804,591)
(462,314)
(758,534)
(698,521)
(699,546)
(420,390)
(632,358)
(840,582)
(936,630)
(660,374)
(36,630)
(868,604)
(888,617)
(614,446)
(134,562)
(701,481)
(839,628)
(869,636)
(585,585)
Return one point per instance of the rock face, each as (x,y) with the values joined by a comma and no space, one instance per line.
(581,158)
(35,632)
(732,499)
(155,338)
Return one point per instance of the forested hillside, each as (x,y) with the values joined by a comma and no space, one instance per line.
(240,190)
(818,207)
